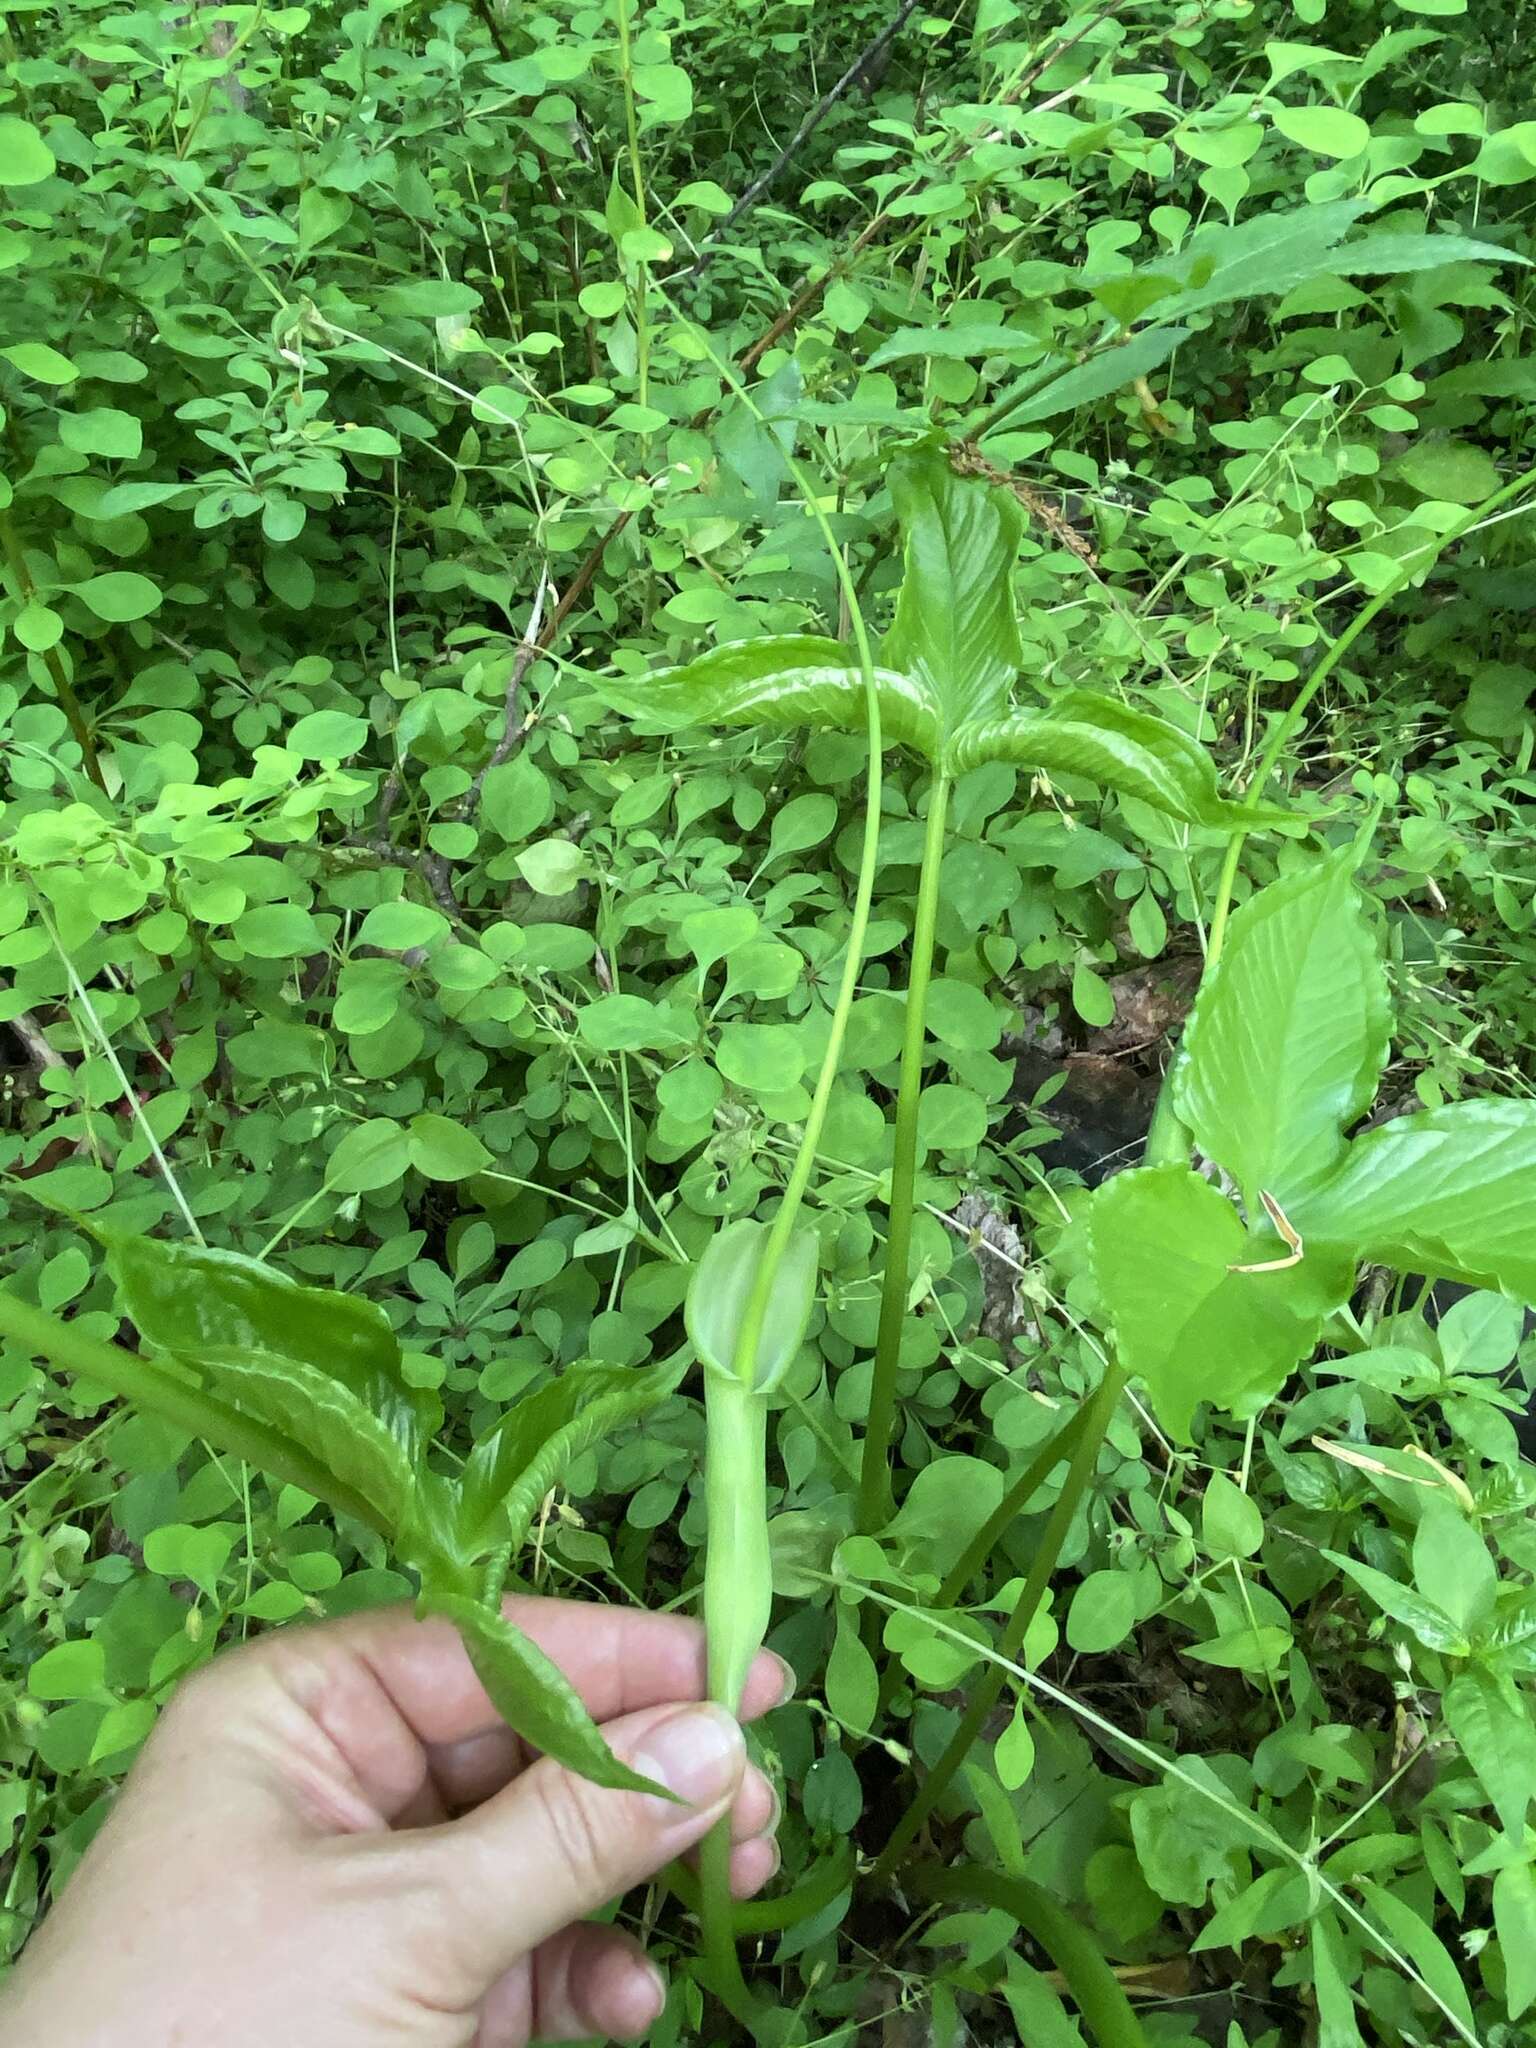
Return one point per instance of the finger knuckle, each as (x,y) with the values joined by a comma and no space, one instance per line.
(573,1828)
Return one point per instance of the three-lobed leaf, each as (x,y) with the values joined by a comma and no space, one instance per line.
(946,671)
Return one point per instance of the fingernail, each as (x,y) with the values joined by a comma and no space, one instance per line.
(787,1677)
(697,1754)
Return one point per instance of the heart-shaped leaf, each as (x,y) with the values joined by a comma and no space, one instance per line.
(1164,1245)
(1289,1036)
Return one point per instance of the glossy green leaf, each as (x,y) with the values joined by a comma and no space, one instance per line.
(718,1293)
(1163,1243)
(1289,1035)
(1431,1624)
(1260,257)
(1111,369)
(1416,1939)
(947,669)
(1487,1715)
(314,1410)
(955,632)
(1393,251)
(1514,1919)
(1450,1193)
(514,1466)
(25,158)
(1108,743)
(533,1695)
(199,1304)
(792,679)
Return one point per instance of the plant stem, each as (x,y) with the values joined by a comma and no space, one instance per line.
(157,1392)
(69,703)
(1285,730)
(1011,1506)
(1100,1998)
(1097,1413)
(813,1894)
(738,1573)
(874,1505)
(979,1549)
(637,179)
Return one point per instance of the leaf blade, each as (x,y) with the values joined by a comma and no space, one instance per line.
(1289,1035)
(956,632)
(514,1466)
(1446,1193)
(532,1694)
(1110,743)
(788,680)
(1163,1243)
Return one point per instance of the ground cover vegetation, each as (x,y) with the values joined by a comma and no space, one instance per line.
(668,675)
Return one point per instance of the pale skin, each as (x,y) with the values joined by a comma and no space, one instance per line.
(332,1841)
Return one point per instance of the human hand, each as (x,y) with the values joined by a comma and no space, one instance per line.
(332,1840)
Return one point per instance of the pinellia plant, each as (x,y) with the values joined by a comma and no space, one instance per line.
(1210,1283)
(306,1385)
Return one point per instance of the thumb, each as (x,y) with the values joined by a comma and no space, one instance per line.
(552,1847)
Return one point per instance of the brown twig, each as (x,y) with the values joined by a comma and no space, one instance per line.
(867,59)
(580,583)
(812,288)
(69,703)
(42,1055)
(512,725)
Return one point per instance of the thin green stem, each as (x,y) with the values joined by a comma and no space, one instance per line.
(717,1930)
(637,180)
(816,1890)
(1411,565)
(989,1686)
(64,689)
(874,1505)
(1098,1992)
(1011,1506)
(157,1392)
(979,1549)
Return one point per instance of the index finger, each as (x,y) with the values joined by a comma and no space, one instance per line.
(620,1660)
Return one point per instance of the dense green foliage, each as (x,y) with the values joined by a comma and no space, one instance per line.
(371,441)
